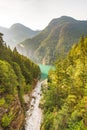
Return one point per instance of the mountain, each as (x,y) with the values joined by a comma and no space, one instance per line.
(57,38)
(17,33)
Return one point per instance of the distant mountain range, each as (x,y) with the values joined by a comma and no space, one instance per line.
(17,33)
(57,38)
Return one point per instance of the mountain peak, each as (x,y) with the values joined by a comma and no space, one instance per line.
(66,17)
(17,33)
(19,26)
(63,19)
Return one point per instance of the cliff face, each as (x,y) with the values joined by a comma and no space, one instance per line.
(11,114)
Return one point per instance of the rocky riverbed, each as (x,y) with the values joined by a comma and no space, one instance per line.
(34,114)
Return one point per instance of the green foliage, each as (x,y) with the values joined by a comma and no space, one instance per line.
(20,77)
(2,101)
(17,67)
(9,98)
(66,97)
(49,117)
(29,69)
(6,119)
(77,126)
(8,79)
(28,88)
(17,74)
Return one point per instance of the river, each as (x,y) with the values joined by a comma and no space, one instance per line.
(34,114)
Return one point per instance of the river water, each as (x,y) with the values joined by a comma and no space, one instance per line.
(34,114)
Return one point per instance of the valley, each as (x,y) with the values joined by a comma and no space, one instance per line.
(57,55)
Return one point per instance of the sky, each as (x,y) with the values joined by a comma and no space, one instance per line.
(36,14)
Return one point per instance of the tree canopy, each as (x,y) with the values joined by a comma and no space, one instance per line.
(65,105)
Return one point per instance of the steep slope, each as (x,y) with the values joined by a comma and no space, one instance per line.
(18,77)
(56,38)
(17,33)
(65,101)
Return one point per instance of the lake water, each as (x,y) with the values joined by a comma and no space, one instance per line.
(44,70)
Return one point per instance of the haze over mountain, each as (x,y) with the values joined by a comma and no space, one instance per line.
(17,33)
(56,38)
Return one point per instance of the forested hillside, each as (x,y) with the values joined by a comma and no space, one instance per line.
(65,101)
(57,38)
(18,76)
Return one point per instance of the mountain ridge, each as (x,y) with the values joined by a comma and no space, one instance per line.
(56,38)
(63,19)
(17,33)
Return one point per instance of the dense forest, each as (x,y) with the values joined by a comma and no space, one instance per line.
(18,76)
(65,99)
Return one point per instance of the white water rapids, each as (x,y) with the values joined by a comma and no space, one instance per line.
(34,114)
